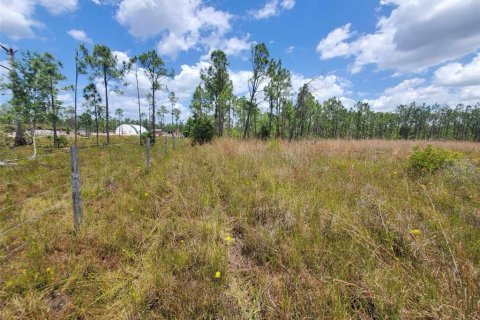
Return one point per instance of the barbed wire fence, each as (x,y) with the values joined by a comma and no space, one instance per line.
(25,212)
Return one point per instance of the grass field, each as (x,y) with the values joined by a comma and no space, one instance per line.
(244,230)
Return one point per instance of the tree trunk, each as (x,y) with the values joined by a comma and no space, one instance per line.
(153,117)
(173,133)
(54,122)
(76,85)
(34,155)
(19,134)
(106,104)
(247,121)
(96,121)
(270,116)
(139,111)
(229,120)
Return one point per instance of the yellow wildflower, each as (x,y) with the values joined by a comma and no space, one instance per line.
(415,232)
(228,239)
(146,194)
(217,274)
(131,209)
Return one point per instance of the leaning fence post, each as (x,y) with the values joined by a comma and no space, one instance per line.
(148,152)
(76,195)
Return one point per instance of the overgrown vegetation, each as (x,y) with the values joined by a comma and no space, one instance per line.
(200,129)
(242,230)
(430,159)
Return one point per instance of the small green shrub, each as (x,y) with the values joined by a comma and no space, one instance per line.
(145,135)
(62,141)
(188,128)
(202,130)
(264,132)
(430,159)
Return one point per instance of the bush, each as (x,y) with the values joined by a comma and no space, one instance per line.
(145,135)
(202,130)
(188,128)
(264,132)
(431,159)
(62,141)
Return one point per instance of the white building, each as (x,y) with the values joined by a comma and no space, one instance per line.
(129,130)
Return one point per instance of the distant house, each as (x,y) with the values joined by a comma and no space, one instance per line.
(129,130)
(158,133)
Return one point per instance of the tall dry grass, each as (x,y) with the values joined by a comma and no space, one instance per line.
(310,229)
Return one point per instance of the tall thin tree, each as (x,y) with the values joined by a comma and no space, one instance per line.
(105,65)
(155,71)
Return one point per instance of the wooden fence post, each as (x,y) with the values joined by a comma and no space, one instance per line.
(165,145)
(148,153)
(76,187)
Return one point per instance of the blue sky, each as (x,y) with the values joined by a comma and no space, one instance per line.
(385,52)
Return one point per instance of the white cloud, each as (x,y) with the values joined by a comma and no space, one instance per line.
(419,91)
(324,87)
(272,8)
(121,57)
(287,4)
(456,74)
(415,36)
(334,44)
(232,47)
(79,35)
(58,6)
(240,81)
(181,25)
(67,99)
(290,49)
(15,19)
(16,16)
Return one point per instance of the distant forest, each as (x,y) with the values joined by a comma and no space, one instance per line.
(271,109)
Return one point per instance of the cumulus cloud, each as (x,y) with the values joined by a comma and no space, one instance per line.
(334,44)
(16,16)
(232,47)
(272,8)
(325,87)
(58,6)
(79,35)
(456,74)
(415,36)
(181,25)
(420,91)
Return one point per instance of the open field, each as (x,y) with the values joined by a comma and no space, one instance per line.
(243,230)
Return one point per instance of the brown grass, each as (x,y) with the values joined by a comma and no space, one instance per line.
(320,229)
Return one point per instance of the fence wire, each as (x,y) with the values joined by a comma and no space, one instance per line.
(107,161)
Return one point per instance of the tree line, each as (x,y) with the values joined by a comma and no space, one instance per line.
(35,80)
(271,109)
